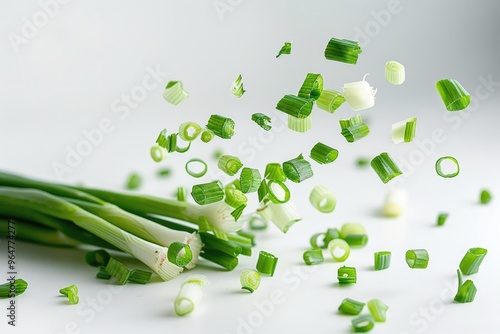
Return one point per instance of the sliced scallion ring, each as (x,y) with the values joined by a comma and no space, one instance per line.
(300,124)
(221,126)
(207,193)
(382,260)
(190,171)
(174,93)
(484,197)
(229,164)
(417,258)
(377,309)
(295,106)
(322,199)
(363,323)
(323,154)
(472,260)
(286,49)
(71,292)
(404,131)
(466,291)
(454,96)
(439,168)
(311,87)
(250,280)
(359,95)
(351,306)
(313,256)
(395,72)
(237,87)
(442,218)
(189,131)
(262,120)
(385,167)
(250,180)
(207,135)
(158,153)
(179,254)
(330,100)
(339,249)
(346,275)
(278,192)
(266,263)
(297,169)
(342,50)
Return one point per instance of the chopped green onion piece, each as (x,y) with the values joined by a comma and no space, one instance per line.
(262,120)
(282,215)
(311,87)
(353,129)
(394,72)
(266,264)
(174,93)
(237,87)
(190,294)
(162,139)
(322,199)
(339,249)
(97,258)
(250,280)
(189,131)
(362,162)
(466,291)
(382,260)
(472,260)
(179,254)
(439,168)
(172,142)
(71,292)
(234,197)
(484,196)
(237,212)
(263,191)
(249,180)
(351,306)
(346,275)
(133,182)
(323,154)
(207,135)
(297,169)
(13,288)
(102,273)
(356,240)
(330,100)
(442,219)
(274,172)
(314,240)
(454,96)
(363,323)
(313,256)
(257,223)
(385,167)
(295,106)
(158,153)
(404,131)
(342,50)
(217,154)
(282,197)
(207,193)
(331,233)
(351,229)
(229,164)
(140,276)
(286,49)
(221,126)
(300,124)
(164,172)
(417,258)
(359,95)
(118,270)
(192,173)
(377,309)
(181,194)
(395,203)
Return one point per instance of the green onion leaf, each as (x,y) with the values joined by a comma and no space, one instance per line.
(339,249)
(439,168)
(179,254)
(300,124)
(71,292)
(454,96)
(102,273)
(417,258)
(207,193)
(237,87)
(346,275)
(174,92)
(221,126)
(297,169)
(189,131)
(357,240)
(382,260)
(97,258)
(331,233)
(13,288)
(385,167)
(192,173)
(359,95)
(133,182)
(207,135)
(181,194)
(353,129)
(342,50)
(257,223)
(330,100)
(286,49)
(394,72)
(351,306)
(249,180)
(250,280)
(314,240)
(442,219)
(311,87)
(295,106)
(322,199)
(284,194)
(466,291)
(229,164)
(484,196)
(313,256)
(117,270)
(323,154)
(162,139)
(266,264)
(263,191)
(262,120)
(363,323)
(348,229)
(404,131)
(237,212)
(274,172)
(140,276)
(472,260)
(377,309)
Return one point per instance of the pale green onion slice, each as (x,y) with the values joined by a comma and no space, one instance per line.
(331,233)
(300,124)
(262,120)
(238,211)
(442,218)
(286,49)
(314,240)
(10,289)
(472,260)
(295,106)
(229,164)
(221,126)
(274,172)
(207,193)
(454,96)
(97,258)
(346,275)
(174,93)
(266,264)
(71,292)
(363,323)
(263,191)
(377,310)
(133,182)
(158,153)
(179,254)
(417,258)
(395,203)
(278,192)
(342,50)
(313,256)
(190,294)
(330,100)
(189,131)
(102,273)
(140,276)
(234,197)
(207,135)
(359,95)
(395,72)
(283,216)
(382,260)
(250,280)
(356,240)
(191,172)
(297,169)
(311,87)
(385,167)
(322,199)
(256,222)
(323,154)
(466,291)
(237,87)
(353,129)
(348,229)
(162,139)
(181,194)
(484,197)
(404,131)
(439,168)
(351,306)
(339,249)
(249,180)
(117,270)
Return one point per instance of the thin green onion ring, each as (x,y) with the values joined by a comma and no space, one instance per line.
(322,199)
(341,244)
(313,256)
(439,170)
(472,260)
(179,254)
(417,258)
(351,306)
(266,263)
(363,323)
(273,197)
(194,174)
(184,131)
(250,280)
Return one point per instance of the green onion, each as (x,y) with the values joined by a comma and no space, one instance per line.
(189,131)
(235,199)
(362,162)
(262,120)
(164,172)
(466,291)
(238,211)
(190,294)
(357,240)
(484,196)
(283,216)
(263,191)
(351,306)
(395,202)
(385,167)
(377,310)
(454,96)
(250,280)
(442,219)
(192,173)
(13,288)
(382,260)
(439,168)
(323,154)
(182,149)
(359,95)
(174,92)
(229,164)
(330,100)
(404,131)
(394,72)
(331,233)
(311,87)
(207,193)
(339,249)
(297,169)
(314,240)
(102,273)
(237,87)
(249,180)
(363,323)
(221,126)
(472,260)
(266,263)
(353,129)
(257,223)
(342,50)
(97,258)
(346,275)
(417,258)
(162,139)
(322,199)
(71,292)
(295,106)
(207,135)
(117,270)
(348,229)
(140,276)
(313,256)
(158,153)
(274,172)
(286,49)
(133,182)
(300,124)
(282,197)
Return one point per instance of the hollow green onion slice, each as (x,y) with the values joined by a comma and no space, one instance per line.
(263,191)
(207,193)
(266,264)
(377,310)
(313,240)
(229,164)
(162,139)
(441,219)
(191,172)
(351,306)
(454,96)
(313,256)
(283,216)
(359,95)
(348,229)
(382,260)
(439,168)
(295,106)
(417,258)
(221,126)
(278,195)
(353,129)
(274,172)
(385,167)
(346,275)
(330,100)
(207,135)
(234,197)
(286,49)
(140,276)
(363,323)
(472,260)
(404,131)
(362,162)
(262,120)
(117,270)
(133,182)
(158,153)
(97,258)
(466,291)
(331,233)
(174,93)
(71,292)
(102,273)
(257,223)
(297,169)
(181,194)
(179,254)
(164,172)
(342,50)
(339,249)
(190,294)
(484,197)
(249,180)
(395,72)
(323,154)
(357,240)
(250,280)
(395,202)
(322,199)
(11,289)
(189,131)
(300,124)
(311,87)
(237,87)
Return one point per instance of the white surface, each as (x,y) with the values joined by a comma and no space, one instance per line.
(71,75)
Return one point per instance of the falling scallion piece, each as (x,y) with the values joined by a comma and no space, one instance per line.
(162,139)
(348,229)
(330,100)
(174,92)
(229,164)
(351,306)
(262,120)
(164,172)
(257,223)
(417,258)
(286,49)
(179,254)
(207,135)
(394,72)
(357,240)
(354,128)
(190,294)
(442,218)
(266,264)
(191,172)
(133,182)
(311,87)
(274,172)
(158,153)
(385,167)
(295,106)
(439,167)
(208,193)
(13,288)
(283,216)
(466,291)
(297,169)
(323,154)
(342,50)
(322,199)
(300,124)
(250,280)
(237,87)
(377,309)
(189,131)
(278,192)
(454,96)
(484,197)
(71,292)
(472,260)
(313,256)
(97,258)
(359,95)
(382,260)
(331,233)
(347,275)
(363,323)
(117,270)
(221,126)
(404,131)
(234,197)
(339,249)
(250,179)
(140,276)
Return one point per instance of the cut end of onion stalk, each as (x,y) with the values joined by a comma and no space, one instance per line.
(395,72)
(282,215)
(190,294)
(359,95)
